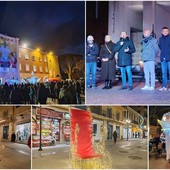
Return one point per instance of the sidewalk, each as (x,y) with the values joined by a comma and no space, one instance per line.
(15,156)
(135,96)
(157,162)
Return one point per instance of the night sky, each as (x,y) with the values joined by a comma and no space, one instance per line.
(50,26)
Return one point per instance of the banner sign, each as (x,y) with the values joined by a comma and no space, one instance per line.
(49,113)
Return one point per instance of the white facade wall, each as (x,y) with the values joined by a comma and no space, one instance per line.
(161,19)
(122,18)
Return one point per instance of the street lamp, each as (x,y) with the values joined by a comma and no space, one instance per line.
(127,122)
(38,50)
(25,45)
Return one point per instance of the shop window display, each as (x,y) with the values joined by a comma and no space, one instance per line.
(22,132)
(50,132)
(66,131)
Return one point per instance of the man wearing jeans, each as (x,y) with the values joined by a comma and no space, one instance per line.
(149,52)
(92,51)
(125,48)
(164,44)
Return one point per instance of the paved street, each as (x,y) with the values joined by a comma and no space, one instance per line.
(51,157)
(126,154)
(15,156)
(136,96)
(130,154)
(157,162)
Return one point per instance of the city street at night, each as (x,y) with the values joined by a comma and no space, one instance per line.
(15,156)
(132,152)
(135,96)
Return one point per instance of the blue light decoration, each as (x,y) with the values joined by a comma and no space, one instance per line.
(165,123)
(8,62)
(32,80)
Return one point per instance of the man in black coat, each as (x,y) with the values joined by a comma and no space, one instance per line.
(108,66)
(164,44)
(125,48)
(115,136)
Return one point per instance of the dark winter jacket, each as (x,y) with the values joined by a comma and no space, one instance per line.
(42,94)
(124,58)
(91,53)
(108,68)
(164,45)
(149,49)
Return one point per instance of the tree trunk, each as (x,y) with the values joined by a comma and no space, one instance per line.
(69,76)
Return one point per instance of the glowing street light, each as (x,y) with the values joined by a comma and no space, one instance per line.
(25,45)
(38,50)
(51,53)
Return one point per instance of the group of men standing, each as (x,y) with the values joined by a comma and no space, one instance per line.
(125,48)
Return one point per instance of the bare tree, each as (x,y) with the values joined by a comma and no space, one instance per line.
(71,64)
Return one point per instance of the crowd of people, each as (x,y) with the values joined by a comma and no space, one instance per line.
(125,48)
(64,92)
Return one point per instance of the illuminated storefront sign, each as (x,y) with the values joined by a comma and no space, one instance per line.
(49,113)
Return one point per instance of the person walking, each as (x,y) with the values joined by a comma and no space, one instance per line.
(125,48)
(164,45)
(108,66)
(13,137)
(92,51)
(149,52)
(115,136)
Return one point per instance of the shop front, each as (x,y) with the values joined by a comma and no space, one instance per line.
(51,122)
(110,132)
(66,131)
(96,129)
(127,132)
(136,132)
(22,132)
(118,131)
(21,129)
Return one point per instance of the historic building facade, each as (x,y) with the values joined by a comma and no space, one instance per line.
(18,62)
(15,120)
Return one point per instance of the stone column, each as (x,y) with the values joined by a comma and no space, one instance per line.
(148,14)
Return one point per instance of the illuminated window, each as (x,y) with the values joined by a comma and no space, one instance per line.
(20,67)
(46,69)
(33,58)
(45,59)
(26,56)
(27,67)
(41,70)
(34,68)
(40,59)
